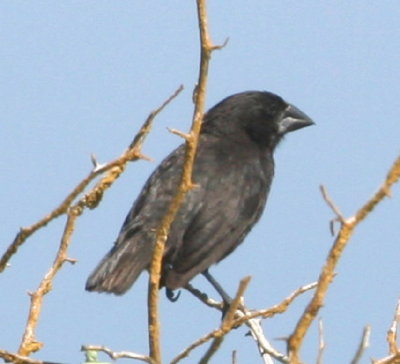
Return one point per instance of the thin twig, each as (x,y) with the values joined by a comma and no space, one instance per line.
(148,124)
(278,308)
(243,316)
(331,204)
(29,343)
(392,332)
(114,355)
(339,216)
(227,323)
(321,346)
(327,273)
(234,357)
(363,345)
(185,353)
(394,356)
(251,319)
(264,347)
(115,168)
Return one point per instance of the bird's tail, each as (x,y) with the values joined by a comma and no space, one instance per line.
(119,269)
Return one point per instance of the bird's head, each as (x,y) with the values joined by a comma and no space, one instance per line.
(260,117)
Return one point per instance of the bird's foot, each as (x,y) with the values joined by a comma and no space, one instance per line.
(171,295)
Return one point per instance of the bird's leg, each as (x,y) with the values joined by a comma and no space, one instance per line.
(225,297)
(171,294)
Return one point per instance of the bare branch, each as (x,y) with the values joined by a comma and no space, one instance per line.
(277,309)
(228,322)
(114,355)
(227,325)
(392,332)
(331,204)
(234,357)
(327,273)
(139,138)
(251,319)
(391,359)
(384,191)
(185,353)
(321,347)
(20,359)
(180,133)
(185,185)
(264,347)
(29,343)
(364,343)
(394,356)
(115,168)
(15,358)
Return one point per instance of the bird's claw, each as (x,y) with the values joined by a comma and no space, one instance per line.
(171,295)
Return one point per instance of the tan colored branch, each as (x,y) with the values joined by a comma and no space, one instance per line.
(114,169)
(277,309)
(29,344)
(327,273)
(244,316)
(394,356)
(186,184)
(114,355)
(15,358)
(218,334)
(228,322)
(392,332)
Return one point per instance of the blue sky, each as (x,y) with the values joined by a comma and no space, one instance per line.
(79,77)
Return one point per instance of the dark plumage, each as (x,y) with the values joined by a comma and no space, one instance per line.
(233,169)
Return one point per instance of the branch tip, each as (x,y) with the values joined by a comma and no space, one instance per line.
(219,46)
(363,345)
(332,205)
(71,260)
(186,136)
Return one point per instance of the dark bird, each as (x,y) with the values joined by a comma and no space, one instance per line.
(233,171)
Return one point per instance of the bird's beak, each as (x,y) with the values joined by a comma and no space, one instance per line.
(293,119)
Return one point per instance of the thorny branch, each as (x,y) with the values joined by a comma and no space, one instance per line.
(238,315)
(327,274)
(243,316)
(186,184)
(227,323)
(114,169)
(29,344)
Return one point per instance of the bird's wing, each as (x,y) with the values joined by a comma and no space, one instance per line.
(132,251)
(232,194)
